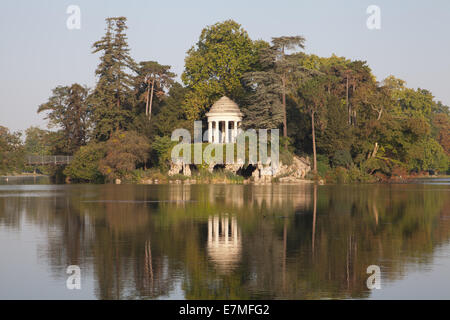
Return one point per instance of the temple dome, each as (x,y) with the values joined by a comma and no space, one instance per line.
(224,118)
(224,106)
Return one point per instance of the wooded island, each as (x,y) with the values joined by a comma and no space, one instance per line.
(331,111)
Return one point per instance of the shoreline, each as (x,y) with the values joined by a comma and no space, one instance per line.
(24,175)
(191,181)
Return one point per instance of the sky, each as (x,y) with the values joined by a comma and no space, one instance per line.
(38,52)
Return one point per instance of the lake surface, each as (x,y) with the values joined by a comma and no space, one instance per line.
(224,241)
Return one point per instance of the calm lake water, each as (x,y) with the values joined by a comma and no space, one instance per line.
(224,241)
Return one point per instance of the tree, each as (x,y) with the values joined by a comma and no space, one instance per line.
(337,134)
(279,75)
(125,150)
(68,110)
(427,154)
(314,96)
(161,152)
(36,141)
(263,108)
(441,123)
(171,115)
(215,65)
(11,151)
(153,77)
(113,98)
(285,66)
(84,166)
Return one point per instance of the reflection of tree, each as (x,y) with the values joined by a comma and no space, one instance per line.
(148,277)
(296,242)
(314,217)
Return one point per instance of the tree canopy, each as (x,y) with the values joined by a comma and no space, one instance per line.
(215,65)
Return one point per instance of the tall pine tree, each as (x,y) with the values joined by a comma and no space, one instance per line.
(113,97)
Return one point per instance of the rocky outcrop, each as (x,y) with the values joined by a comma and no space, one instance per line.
(292,173)
(262,173)
(235,167)
(179,168)
(299,168)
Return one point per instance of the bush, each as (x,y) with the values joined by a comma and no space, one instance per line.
(356,174)
(140,175)
(323,165)
(286,157)
(85,164)
(161,152)
(342,158)
(342,175)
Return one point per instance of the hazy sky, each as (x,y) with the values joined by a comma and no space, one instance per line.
(38,52)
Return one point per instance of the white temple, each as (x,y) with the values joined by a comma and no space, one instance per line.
(224,120)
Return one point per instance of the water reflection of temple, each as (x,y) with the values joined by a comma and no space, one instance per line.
(224,242)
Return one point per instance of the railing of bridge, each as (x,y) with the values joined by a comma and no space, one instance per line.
(48,160)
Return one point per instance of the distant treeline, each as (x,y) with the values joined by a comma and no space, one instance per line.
(333,109)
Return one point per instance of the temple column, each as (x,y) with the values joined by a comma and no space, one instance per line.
(209,131)
(234,130)
(226,131)
(216,132)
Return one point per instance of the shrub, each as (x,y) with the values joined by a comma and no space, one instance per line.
(85,164)
(286,157)
(341,175)
(141,175)
(356,174)
(342,158)
(323,165)
(161,152)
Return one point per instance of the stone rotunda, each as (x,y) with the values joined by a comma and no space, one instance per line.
(224,121)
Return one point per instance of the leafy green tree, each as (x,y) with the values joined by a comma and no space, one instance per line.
(427,154)
(36,141)
(68,110)
(113,97)
(215,65)
(11,151)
